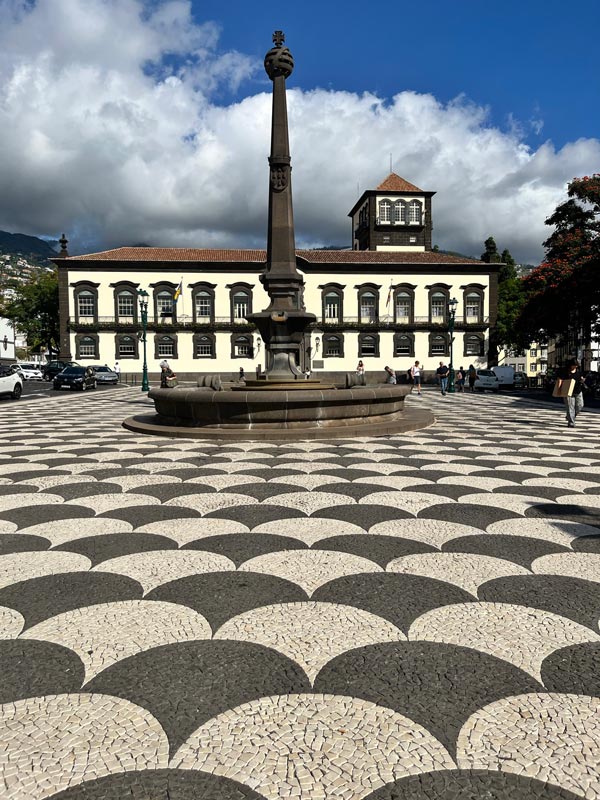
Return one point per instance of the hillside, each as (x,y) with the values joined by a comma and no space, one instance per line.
(28,246)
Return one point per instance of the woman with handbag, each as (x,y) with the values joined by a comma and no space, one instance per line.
(168,379)
(569,385)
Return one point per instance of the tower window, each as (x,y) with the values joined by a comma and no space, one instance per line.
(415,212)
(385,209)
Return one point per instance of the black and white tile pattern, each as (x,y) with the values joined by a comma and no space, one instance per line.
(413,616)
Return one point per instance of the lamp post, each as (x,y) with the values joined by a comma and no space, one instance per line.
(143,295)
(451,318)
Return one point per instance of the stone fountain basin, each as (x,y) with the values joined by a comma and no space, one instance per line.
(279,414)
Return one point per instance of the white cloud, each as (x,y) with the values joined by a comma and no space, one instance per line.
(101,136)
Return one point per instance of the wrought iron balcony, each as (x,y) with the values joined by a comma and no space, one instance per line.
(163,323)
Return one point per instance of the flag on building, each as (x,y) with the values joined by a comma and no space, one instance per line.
(178,291)
(389,297)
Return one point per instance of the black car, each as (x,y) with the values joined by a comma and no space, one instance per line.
(75,378)
(52,368)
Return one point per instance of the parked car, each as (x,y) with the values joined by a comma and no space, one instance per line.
(105,374)
(486,379)
(521,380)
(75,378)
(505,375)
(52,368)
(10,382)
(31,372)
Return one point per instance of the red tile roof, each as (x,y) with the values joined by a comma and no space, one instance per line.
(185,254)
(394,183)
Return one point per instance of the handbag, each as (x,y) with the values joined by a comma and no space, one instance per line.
(563,388)
(171,381)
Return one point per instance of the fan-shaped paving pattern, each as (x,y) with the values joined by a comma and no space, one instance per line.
(103,634)
(68,530)
(551,737)
(94,735)
(309,530)
(24,566)
(309,568)
(35,669)
(310,633)
(575,565)
(159,566)
(313,746)
(520,635)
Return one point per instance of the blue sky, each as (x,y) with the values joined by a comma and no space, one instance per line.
(127,121)
(528,61)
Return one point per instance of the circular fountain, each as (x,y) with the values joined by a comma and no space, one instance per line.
(281,404)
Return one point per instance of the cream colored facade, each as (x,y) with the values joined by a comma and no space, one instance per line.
(347,291)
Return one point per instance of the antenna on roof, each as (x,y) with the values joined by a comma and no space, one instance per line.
(391,169)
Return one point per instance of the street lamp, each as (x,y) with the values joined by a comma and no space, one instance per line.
(451,318)
(143,295)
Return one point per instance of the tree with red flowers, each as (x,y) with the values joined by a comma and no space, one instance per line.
(563,293)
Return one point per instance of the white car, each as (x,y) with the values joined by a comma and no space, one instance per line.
(31,372)
(486,379)
(11,382)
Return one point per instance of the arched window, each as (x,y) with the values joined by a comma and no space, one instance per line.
(126,306)
(164,304)
(367,305)
(332,302)
(438,344)
(85,296)
(385,210)
(438,306)
(204,345)
(333,346)
(203,306)
(400,212)
(473,303)
(86,347)
(403,307)
(474,344)
(404,344)
(165,347)
(242,346)
(240,301)
(165,307)
(126,347)
(368,345)
(415,212)
(86,306)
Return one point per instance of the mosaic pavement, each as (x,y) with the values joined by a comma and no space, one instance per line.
(414,616)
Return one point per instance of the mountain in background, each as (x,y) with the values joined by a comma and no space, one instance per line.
(27,246)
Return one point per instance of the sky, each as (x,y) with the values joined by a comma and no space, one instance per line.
(147,121)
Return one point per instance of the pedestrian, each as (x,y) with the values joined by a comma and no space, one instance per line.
(460,379)
(390,375)
(442,372)
(472,377)
(242,375)
(360,368)
(117,369)
(168,379)
(569,386)
(416,373)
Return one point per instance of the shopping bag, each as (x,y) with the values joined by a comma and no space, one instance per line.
(563,388)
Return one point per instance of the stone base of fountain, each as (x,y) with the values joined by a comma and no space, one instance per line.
(292,412)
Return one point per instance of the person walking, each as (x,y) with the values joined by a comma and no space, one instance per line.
(574,400)
(472,377)
(416,372)
(242,375)
(391,375)
(442,372)
(460,379)
(360,368)
(117,369)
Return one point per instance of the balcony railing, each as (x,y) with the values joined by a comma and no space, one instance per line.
(163,322)
(388,321)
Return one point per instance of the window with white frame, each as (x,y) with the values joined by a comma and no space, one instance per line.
(399,212)
(204,347)
(415,212)
(368,307)
(203,307)
(164,304)
(438,307)
(385,209)
(533,353)
(472,346)
(520,367)
(543,367)
(439,345)
(126,347)
(332,307)
(332,346)
(165,347)
(403,307)
(240,305)
(125,306)
(87,347)
(368,346)
(86,304)
(242,347)
(403,346)
(533,367)
(473,307)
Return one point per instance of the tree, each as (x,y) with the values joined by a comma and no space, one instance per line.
(491,254)
(34,310)
(510,300)
(563,293)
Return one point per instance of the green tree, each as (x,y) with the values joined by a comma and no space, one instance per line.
(510,300)
(491,254)
(34,310)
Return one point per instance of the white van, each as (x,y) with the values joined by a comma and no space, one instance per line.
(505,375)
